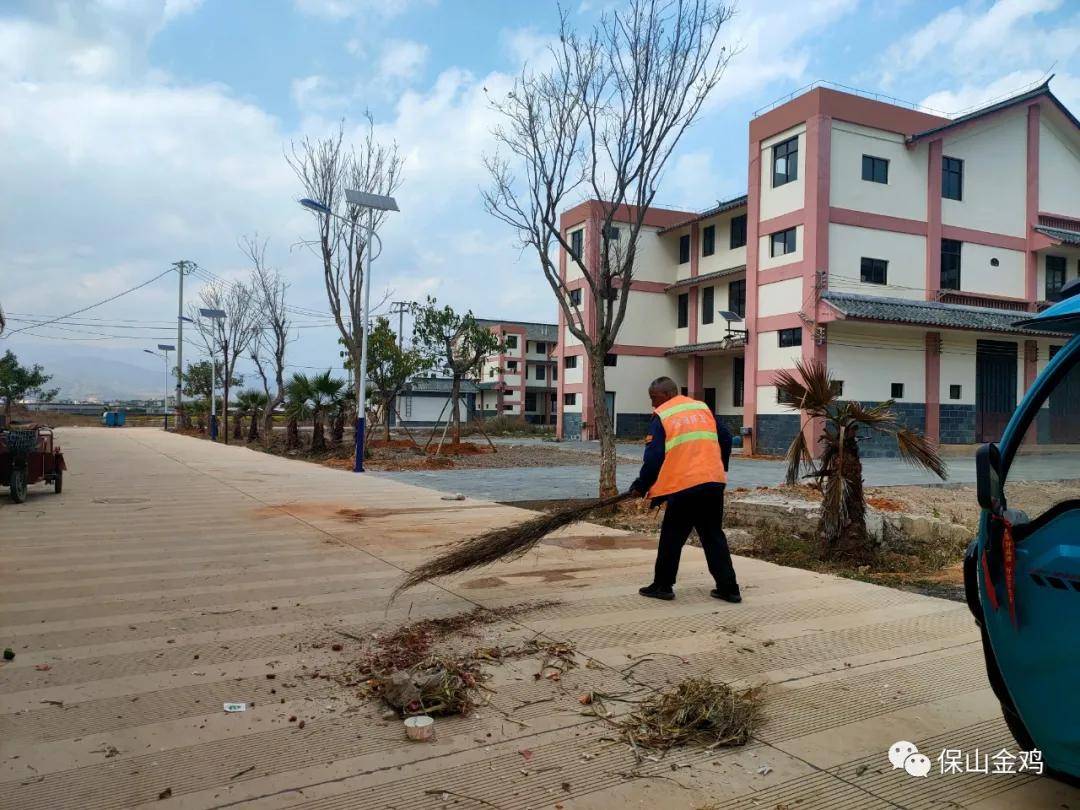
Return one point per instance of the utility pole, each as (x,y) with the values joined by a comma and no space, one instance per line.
(400,308)
(182,268)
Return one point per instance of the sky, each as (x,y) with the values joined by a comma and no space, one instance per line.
(135,133)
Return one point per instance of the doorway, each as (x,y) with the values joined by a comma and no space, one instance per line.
(995,388)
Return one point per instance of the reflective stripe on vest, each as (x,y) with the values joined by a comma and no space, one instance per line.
(691,447)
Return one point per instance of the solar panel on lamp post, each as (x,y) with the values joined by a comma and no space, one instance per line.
(373,203)
(166,348)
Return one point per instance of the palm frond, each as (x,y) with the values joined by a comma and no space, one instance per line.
(878,416)
(916,449)
(819,383)
(797,455)
(790,389)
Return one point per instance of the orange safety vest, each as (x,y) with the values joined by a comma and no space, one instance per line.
(691,447)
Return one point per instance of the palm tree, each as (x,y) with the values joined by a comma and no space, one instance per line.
(324,392)
(250,404)
(842,526)
(297,407)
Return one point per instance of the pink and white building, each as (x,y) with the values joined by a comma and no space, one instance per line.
(895,246)
(521,379)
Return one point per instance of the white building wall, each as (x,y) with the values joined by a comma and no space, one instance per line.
(630,379)
(657,256)
(788,197)
(572,270)
(766,260)
(724,256)
(650,319)
(717,330)
(1059,169)
(767,404)
(868,359)
(995,176)
(905,253)
(716,373)
(780,297)
(574,376)
(905,193)
(978,275)
(958,363)
(771,355)
(427,409)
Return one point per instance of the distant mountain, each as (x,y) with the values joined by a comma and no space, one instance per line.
(85,375)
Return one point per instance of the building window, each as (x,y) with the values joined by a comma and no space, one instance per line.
(738,231)
(782,398)
(738,370)
(575,297)
(1055,277)
(952,178)
(707,304)
(541,372)
(684,310)
(612,233)
(950,264)
(577,244)
(570,361)
(554,373)
(789,337)
(955,391)
(684,248)
(530,402)
(837,388)
(611,359)
(708,240)
(511,366)
(785,162)
(875,169)
(511,341)
(540,347)
(782,242)
(569,399)
(736,297)
(897,391)
(873,271)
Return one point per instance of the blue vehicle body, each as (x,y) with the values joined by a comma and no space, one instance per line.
(1032,657)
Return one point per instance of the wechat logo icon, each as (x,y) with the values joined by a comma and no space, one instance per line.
(904,754)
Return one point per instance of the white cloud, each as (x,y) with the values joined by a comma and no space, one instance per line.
(967,96)
(346,9)
(402,60)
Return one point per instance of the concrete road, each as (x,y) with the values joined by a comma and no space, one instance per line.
(174,575)
(541,483)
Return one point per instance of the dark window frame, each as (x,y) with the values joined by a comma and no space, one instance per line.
(870,270)
(956,391)
(708,304)
(738,381)
(541,372)
(575,297)
(952,178)
(684,248)
(525,404)
(683,315)
(738,231)
(786,238)
(512,366)
(789,338)
(708,240)
(569,398)
(511,341)
(737,297)
(894,388)
(951,263)
(570,361)
(611,360)
(577,243)
(540,347)
(875,169)
(1061,271)
(787,151)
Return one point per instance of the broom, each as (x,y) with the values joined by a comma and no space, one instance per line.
(507,543)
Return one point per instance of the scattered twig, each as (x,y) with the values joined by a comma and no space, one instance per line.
(436,792)
(241,773)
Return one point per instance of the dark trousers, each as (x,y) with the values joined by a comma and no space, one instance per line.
(702,510)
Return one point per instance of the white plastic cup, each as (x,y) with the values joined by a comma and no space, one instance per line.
(420,728)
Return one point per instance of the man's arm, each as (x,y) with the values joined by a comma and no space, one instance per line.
(653,458)
(723,435)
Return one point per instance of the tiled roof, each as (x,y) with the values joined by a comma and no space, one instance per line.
(924,313)
(1060,235)
(719,208)
(438,385)
(533,331)
(706,278)
(702,348)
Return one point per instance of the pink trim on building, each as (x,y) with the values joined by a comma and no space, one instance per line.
(878,222)
(933,386)
(771,323)
(998,240)
(784,221)
(773,274)
(1031,276)
(933,220)
(753,279)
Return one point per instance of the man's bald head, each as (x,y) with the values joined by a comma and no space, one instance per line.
(661,390)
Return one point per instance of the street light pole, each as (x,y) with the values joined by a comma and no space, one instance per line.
(373,202)
(166,348)
(215,315)
(182,267)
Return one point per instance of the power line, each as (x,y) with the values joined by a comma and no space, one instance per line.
(98,304)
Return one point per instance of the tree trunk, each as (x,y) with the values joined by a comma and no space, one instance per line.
(455,416)
(601,424)
(225,404)
(292,434)
(386,419)
(338,432)
(318,437)
(253,427)
(238,427)
(268,424)
(852,543)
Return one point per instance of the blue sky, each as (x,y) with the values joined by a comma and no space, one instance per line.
(137,133)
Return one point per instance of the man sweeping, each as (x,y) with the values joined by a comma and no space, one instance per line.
(685,466)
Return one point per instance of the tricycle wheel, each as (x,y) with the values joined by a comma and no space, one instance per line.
(58,482)
(17,482)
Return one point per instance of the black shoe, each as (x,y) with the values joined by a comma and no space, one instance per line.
(655,591)
(729,594)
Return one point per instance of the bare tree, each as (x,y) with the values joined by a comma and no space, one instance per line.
(602,121)
(268,348)
(228,338)
(325,168)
